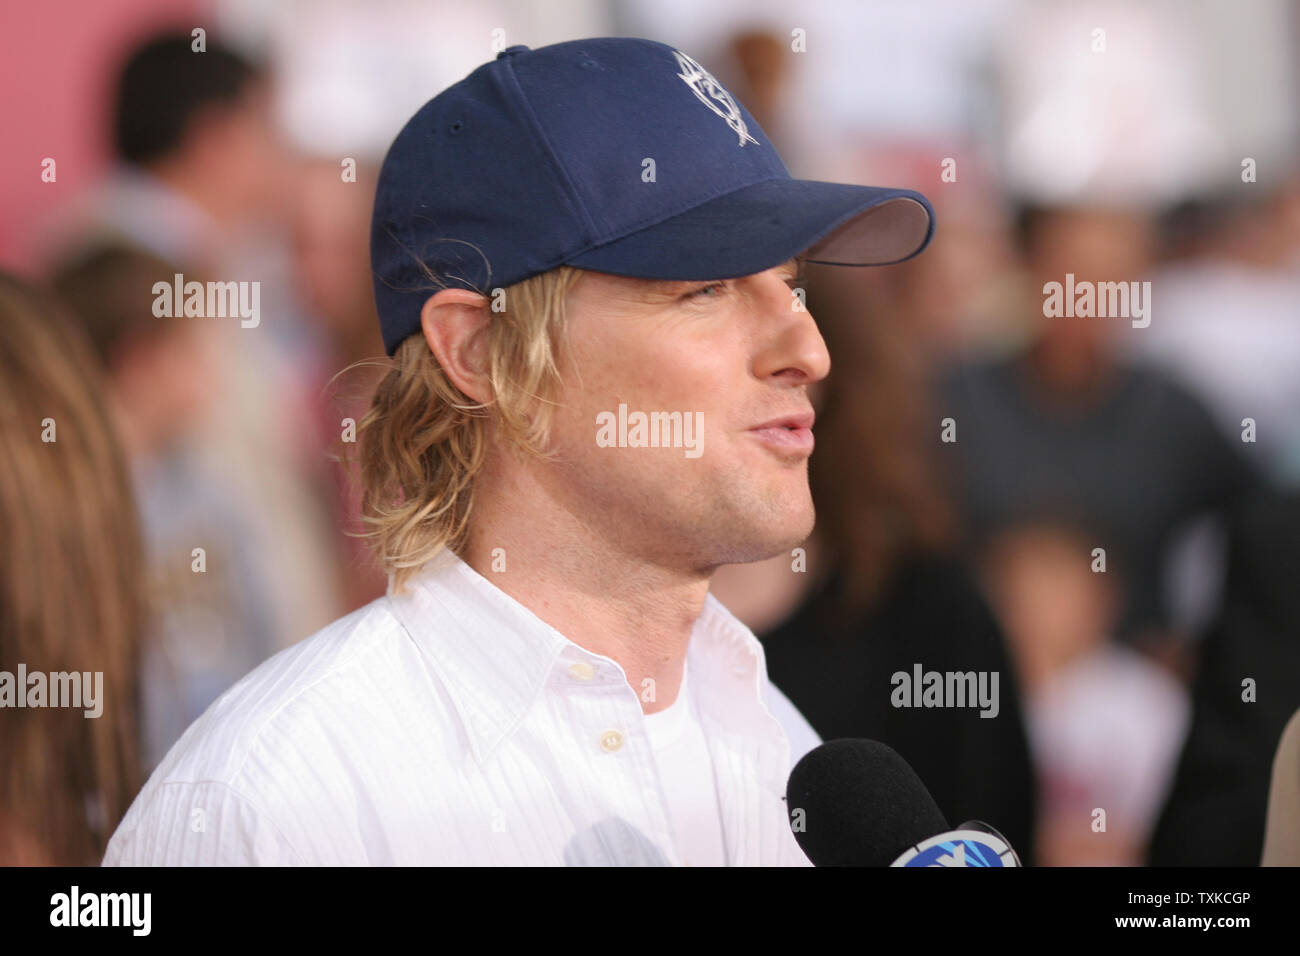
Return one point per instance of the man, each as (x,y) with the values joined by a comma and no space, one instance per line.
(570,243)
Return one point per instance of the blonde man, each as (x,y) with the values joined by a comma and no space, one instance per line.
(585,265)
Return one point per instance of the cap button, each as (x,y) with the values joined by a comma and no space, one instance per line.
(512,50)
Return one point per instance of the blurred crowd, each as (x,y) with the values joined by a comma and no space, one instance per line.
(1104,513)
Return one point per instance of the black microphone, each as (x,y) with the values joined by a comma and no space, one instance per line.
(855,802)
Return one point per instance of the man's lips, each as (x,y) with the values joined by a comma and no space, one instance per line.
(790,434)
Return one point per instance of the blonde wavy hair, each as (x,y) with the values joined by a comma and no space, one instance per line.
(72,588)
(423,442)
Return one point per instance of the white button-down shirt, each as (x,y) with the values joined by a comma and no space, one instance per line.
(451,726)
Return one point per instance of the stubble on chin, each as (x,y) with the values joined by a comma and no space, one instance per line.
(760,531)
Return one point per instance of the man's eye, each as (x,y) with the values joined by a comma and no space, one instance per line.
(710,291)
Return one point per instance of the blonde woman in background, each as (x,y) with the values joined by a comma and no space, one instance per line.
(70,595)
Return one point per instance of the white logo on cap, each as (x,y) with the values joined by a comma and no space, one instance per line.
(713,95)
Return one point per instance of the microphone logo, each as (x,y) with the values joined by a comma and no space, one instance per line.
(961,848)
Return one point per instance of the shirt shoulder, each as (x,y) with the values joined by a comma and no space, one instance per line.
(280,753)
(314,679)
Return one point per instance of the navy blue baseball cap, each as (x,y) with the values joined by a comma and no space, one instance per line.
(619,155)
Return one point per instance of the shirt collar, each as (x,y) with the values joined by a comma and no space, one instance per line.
(496,656)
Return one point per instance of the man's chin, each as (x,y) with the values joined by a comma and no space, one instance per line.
(770,542)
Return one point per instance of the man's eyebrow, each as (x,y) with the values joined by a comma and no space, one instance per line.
(667,286)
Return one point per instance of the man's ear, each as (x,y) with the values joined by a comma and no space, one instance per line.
(455,326)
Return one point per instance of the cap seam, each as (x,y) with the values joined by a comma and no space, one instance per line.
(569,190)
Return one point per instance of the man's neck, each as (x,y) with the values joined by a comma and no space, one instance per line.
(596,594)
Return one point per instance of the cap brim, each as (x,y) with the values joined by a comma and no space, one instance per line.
(761,226)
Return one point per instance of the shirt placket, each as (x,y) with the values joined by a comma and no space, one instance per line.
(613,729)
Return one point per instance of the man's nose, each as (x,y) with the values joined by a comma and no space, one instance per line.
(791,345)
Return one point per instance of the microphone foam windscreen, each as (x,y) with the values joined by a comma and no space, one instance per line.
(862,804)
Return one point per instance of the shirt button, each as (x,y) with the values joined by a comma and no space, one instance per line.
(611,740)
(581,670)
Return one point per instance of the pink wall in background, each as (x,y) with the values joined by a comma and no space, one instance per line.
(58,63)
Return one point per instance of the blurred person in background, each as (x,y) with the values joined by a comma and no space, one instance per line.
(1104,121)
(761,61)
(161,375)
(944,307)
(884,589)
(1232,294)
(1246,687)
(1065,425)
(331,263)
(71,582)
(199,167)
(1112,115)
(1282,832)
(1105,723)
(200,191)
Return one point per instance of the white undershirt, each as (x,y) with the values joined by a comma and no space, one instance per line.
(686,771)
